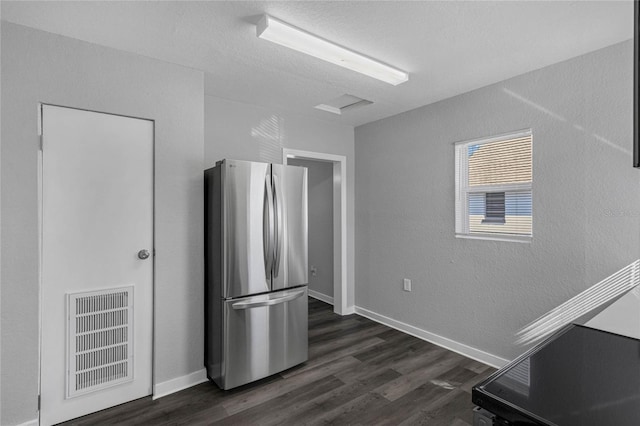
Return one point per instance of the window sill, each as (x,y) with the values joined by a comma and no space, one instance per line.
(507,238)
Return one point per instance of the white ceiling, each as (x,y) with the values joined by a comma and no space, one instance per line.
(448,47)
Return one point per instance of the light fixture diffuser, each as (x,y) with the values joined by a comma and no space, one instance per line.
(281,33)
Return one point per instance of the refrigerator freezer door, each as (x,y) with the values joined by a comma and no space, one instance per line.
(263,335)
(244,188)
(291,245)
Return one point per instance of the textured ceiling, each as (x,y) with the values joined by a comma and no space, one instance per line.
(448,47)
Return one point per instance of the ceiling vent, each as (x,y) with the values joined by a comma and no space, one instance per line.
(343,103)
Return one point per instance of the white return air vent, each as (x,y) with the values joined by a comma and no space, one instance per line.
(342,104)
(100,339)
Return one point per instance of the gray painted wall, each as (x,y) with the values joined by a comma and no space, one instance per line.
(41,67)
(586,204)
(254,133)
(320,224)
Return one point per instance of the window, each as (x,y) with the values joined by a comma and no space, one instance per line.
(493,187)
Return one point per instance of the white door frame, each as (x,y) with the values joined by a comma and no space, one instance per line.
(340,282)
(40,246)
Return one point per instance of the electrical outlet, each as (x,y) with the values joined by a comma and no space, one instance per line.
(406,283)
(314,271)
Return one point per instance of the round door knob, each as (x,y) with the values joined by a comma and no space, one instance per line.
(143,254)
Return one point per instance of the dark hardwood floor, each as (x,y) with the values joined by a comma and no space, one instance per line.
(359,373)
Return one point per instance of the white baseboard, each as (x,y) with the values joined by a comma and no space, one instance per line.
(322,297)
(33,422)
(452,345)
(179,383)
(349,310)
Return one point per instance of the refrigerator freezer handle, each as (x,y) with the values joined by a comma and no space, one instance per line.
(267,226)
(279,224)
(270,302)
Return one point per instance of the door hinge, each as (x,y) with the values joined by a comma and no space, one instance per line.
(40,119)
(40,114)
(39,402)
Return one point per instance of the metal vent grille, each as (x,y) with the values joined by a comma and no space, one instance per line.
(100,340)
(343,103)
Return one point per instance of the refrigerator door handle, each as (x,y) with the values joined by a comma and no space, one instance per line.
(269,302)
(279,224)
(267,226)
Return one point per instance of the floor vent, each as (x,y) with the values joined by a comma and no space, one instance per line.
(100,336)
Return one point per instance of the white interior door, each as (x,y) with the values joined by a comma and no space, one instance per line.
(97,279)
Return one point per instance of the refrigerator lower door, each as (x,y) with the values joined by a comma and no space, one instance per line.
(263,335)
(290,266)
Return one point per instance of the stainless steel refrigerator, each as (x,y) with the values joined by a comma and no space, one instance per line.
(256,278)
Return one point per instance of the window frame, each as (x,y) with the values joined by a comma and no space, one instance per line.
(462,189)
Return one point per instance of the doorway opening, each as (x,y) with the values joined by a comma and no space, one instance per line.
(320,195)
(338,222)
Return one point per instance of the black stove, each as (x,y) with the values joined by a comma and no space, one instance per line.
(579,377)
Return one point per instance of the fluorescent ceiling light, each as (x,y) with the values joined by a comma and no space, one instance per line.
(294,38)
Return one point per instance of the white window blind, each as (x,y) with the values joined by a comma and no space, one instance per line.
(494,187)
